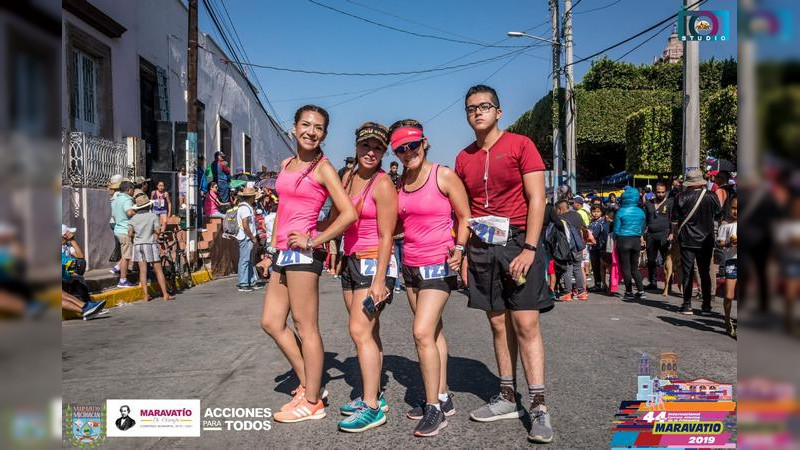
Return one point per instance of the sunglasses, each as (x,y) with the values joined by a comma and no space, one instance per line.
(411,146)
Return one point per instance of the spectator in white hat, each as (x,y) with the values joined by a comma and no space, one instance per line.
(71,252)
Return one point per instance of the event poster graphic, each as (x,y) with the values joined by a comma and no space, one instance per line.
(670,412)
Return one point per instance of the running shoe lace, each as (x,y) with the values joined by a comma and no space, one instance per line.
(430,415)
(537,417)
(497,399)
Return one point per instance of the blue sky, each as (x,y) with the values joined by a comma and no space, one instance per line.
(300,34)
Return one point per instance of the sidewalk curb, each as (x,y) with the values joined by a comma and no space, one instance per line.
(120,296)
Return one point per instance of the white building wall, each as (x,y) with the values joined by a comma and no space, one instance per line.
(225,92)
(157,31)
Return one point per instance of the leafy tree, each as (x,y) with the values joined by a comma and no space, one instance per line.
(720,123)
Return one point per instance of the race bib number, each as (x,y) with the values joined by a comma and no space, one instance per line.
(293,257)
(435,272)
(490,229)
(369,266)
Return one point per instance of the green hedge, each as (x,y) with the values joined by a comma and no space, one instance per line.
(600,126)
(653,140)
(608,74)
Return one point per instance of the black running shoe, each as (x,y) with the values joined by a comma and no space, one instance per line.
(417,412)
(431,422)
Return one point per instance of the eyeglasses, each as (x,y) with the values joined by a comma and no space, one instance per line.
(483,107)
(411,146)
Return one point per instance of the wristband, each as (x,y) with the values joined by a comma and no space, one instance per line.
(459,248)
(530,247)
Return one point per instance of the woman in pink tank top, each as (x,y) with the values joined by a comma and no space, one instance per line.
(368,270)
(305,181)
(429,197)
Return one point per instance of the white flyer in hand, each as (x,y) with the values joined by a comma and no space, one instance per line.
(490,229)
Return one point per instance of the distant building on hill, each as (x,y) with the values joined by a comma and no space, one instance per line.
(673,52)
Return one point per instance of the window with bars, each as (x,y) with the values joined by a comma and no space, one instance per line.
(83,107)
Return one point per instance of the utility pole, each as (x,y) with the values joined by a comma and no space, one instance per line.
(556,107)
(691,97)
(191,130)
(572,172)
(746,101)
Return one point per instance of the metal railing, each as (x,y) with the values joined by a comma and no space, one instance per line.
(91,161)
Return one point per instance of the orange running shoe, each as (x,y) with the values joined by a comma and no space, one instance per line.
(583,296)
(566,297)
(303,411)
(297,396)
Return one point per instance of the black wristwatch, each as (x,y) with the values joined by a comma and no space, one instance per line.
(530,247)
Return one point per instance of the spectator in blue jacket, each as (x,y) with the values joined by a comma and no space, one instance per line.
(629,226)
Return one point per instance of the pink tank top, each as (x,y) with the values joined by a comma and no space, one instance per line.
(363,233)
(427,223)
(301,199)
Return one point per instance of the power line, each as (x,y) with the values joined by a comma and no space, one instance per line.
(374,74)
(247,58)
(412,33)
(503,66)
(643,42)
(647,30)
(572,7)
(401,82)
(598,8)
(237,60)
(406,19)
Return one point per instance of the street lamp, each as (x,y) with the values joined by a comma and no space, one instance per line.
(537,38)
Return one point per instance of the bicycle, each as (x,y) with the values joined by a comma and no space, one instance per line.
(174,261)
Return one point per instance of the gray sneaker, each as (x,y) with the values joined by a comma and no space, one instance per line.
(498,408)
(541,430)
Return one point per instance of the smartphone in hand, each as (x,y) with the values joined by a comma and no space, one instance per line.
(369,305)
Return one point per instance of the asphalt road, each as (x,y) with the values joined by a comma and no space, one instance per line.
(208,345)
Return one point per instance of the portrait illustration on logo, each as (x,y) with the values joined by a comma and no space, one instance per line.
(125,422)
(85,425)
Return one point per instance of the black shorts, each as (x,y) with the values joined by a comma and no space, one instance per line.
(413,279)
(314,267)
(490,285)
(353,280)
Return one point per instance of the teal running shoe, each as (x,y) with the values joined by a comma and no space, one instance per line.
(363,419)
(348,409)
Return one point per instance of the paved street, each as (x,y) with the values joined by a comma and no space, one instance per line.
(208,345)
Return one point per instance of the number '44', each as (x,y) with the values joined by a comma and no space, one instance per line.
(652,417)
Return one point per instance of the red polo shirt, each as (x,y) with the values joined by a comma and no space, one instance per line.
(498,172)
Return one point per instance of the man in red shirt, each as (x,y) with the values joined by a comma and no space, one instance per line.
(504,176)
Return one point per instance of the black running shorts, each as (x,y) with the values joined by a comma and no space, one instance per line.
(314,267)
(490,285)
(353,280)
(413,279)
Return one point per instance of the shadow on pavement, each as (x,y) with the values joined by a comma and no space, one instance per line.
(691,324)
(288,381)
(463,375)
